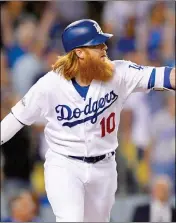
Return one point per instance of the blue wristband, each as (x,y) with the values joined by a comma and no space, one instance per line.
(167,72)
(151,82)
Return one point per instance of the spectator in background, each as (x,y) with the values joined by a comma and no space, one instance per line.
(28,64)
(6,88)
(2,197)
(163,139)
(159,209)
(134,132)
(5,81)
(18,163)
(23,208)
(11,11)
(168,49)
(31,64)
(10,20)
(135,135)
(24,36)
(127,41)
(116,15)
(17,152)
(152,22)
(156,29)
(155,34)
(1,169)
(24,71)
(27,41)
(65,15)
(49,55)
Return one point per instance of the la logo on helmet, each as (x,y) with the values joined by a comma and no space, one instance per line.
(97,27)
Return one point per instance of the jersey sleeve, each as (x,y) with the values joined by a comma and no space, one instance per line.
(31,106)
(139,78)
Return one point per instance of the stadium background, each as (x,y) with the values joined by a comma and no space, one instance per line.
(144,32)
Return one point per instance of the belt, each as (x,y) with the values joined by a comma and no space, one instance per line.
(92,159)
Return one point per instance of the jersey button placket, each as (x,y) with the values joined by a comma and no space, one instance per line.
(87,140)
(85,126)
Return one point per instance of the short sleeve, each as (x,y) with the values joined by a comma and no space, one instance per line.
(31,106)
(139,78)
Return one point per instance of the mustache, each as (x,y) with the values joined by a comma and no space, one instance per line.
(104,55)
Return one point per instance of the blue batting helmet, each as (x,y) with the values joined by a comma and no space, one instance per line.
(85,32)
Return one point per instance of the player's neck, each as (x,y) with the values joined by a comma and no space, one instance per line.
(81,82)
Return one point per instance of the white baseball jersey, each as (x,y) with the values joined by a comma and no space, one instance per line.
(87,127)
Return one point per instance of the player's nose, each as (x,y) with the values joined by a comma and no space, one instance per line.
(104,46)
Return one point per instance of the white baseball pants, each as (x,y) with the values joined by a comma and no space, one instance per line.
(78,191)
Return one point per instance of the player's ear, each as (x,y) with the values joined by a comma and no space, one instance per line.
(80,53)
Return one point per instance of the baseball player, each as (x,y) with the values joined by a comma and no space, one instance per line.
(81,98)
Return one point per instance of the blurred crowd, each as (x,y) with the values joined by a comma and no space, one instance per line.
(144,32)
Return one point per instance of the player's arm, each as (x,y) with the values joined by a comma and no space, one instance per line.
(142,78)
(9,127)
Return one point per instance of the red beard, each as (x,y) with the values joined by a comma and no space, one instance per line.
(94,68)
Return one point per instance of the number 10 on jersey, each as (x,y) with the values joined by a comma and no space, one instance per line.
(107,124)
